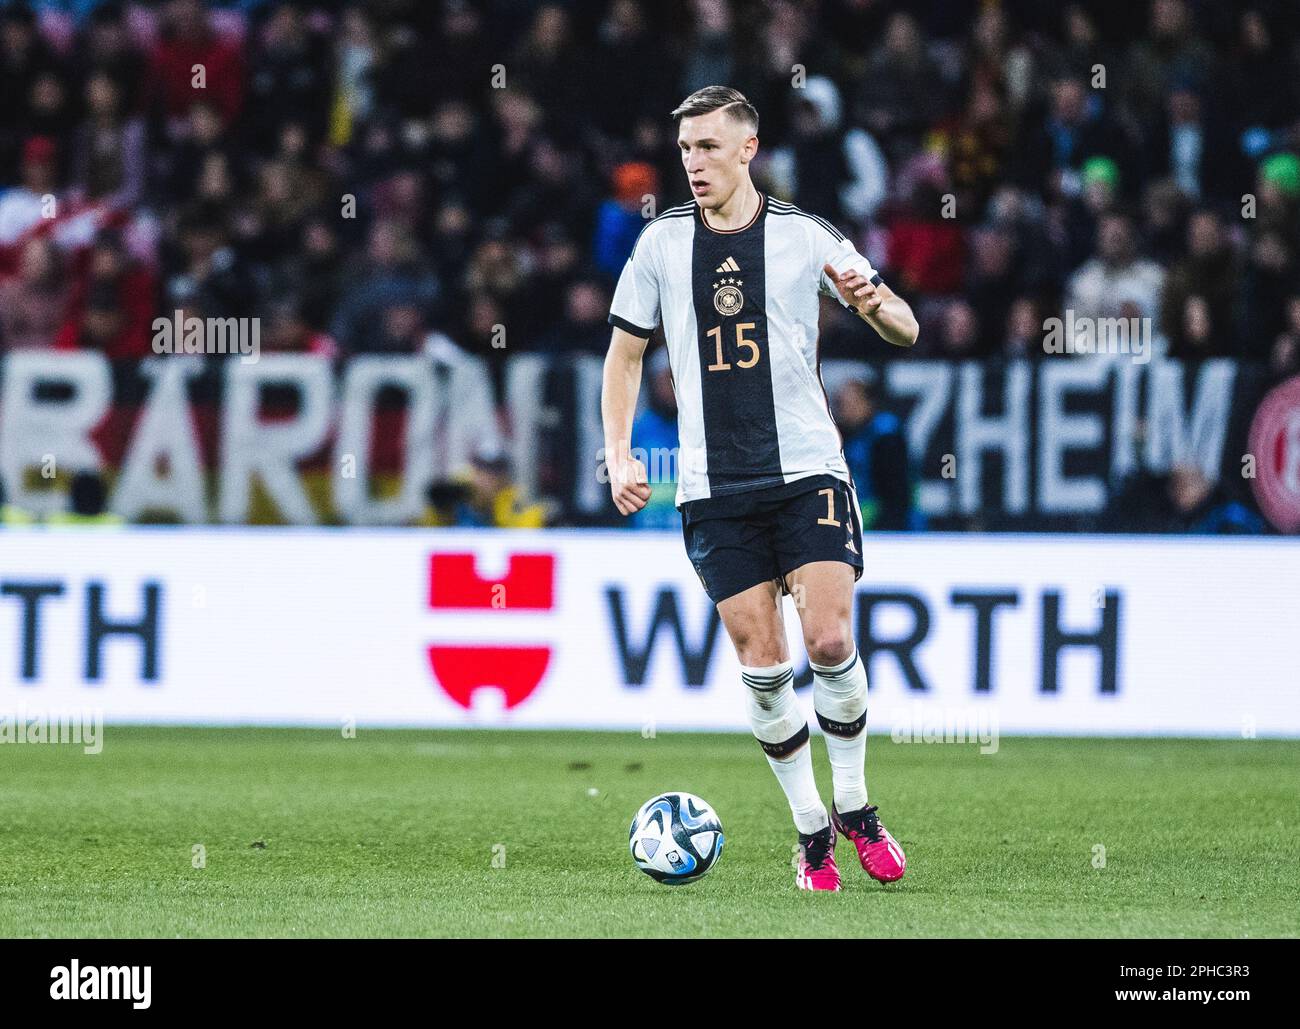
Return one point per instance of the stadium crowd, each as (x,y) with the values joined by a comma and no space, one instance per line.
(401,175)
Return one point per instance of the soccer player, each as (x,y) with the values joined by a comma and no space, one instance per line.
(766,499)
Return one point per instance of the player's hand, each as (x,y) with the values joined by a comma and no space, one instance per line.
(856,289)
(629,485)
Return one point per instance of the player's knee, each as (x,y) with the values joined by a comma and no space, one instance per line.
(756,649)
(832,645)
(760,654)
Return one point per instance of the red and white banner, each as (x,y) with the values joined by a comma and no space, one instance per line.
(611,630)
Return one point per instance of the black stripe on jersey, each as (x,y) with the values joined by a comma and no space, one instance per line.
(740,435)
(627,326)
(779,207)
(680,211)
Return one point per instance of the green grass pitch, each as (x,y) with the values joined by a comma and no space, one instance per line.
(400,833)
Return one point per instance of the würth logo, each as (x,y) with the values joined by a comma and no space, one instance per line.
(461,669)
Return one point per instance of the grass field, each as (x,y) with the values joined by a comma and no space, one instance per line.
(395,833)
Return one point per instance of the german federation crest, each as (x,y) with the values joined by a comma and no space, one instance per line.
(727,298)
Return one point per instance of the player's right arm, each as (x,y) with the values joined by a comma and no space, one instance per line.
(627,476)
(634,313)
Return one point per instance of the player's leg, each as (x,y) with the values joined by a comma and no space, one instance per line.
(754,622)
(738,568)
(823,592)
(821,547)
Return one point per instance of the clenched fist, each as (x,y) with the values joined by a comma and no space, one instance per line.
(856,289)
(628,484)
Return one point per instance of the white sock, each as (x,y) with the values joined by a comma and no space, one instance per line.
(840,699)
(782,732)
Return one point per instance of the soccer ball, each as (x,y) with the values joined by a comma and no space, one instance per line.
(675,838)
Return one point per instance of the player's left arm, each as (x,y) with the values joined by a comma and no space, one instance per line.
(876,304)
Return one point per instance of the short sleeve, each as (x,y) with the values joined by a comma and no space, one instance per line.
(635,308)
(838,251)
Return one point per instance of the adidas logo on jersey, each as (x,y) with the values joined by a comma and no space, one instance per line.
(729,265)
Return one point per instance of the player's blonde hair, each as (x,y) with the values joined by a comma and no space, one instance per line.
(715,98)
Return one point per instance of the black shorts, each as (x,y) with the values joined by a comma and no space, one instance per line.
(741,540)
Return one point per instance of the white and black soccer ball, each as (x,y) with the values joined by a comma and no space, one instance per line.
(675,838)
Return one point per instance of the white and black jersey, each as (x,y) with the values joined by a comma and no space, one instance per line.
(739,311)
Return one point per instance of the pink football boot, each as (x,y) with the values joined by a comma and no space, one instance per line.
(880,854)
(817,869)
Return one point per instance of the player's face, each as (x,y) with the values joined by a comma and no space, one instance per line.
(716,150)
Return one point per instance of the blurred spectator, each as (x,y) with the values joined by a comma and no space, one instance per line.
(1263,74)
(1191,150)
(1204,507)
(1284,357)
(633,67)
(978,145)
(545,61)
(290,331)
(583,328)
(838,174)
(33,301)
(1076,127)
(193,63)
(289,79)
(1164,209)
(108,159)
(391,272)
(1268,280)
(486,497)
(24,57)
(926,249)
(1116,277)
(206,269)
(993,284)
(1082,211)
(557,260)
(620,219)
(23,207)
(108,47)
(1024,334)
(876,452)
(655,443)
(312,272)
(1201,288)
(1170,52)
(87,503)
(112,304)
(196,146)
(902,93)
(1183,501)
(958,331)
(550,196)
(710,48)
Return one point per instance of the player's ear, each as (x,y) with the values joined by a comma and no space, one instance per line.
(748,151)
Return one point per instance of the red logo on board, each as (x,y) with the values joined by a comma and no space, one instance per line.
(1275,442)
(462,669)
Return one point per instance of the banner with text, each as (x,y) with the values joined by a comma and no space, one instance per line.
(1014,445)
(604,629)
